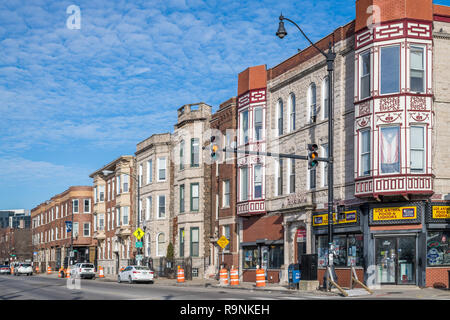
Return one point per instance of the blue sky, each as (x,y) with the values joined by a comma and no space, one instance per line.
(71,101)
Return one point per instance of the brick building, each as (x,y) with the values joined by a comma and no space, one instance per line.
(114,211)
(15,244)
(50,239)
(223,189)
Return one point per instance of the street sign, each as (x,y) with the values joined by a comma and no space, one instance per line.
(223,242)
(138,233)
(139,257)
(138,244)
(68,226)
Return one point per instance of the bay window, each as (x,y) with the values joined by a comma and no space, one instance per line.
(417,149)
(390,149)
(365,75)
(244,184)
(390,70)
(365,152)
(258,124)
(292,112)
(417,70)
(258,181)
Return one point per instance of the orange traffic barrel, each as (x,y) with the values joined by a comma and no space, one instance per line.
(68,272)
(59,272)
(37,269)
(49,270)
(180,275)
(260,278)
(100,272)
(223,277)
(234,277)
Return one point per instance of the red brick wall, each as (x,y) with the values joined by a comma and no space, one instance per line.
(344,276)
(437,277)
(263,227)
(273,276)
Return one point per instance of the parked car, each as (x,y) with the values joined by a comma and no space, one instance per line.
(4,269)
(83,270)
(135,274)
(23,268)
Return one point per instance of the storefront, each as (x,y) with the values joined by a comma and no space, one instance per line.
(348,244)
(438,245)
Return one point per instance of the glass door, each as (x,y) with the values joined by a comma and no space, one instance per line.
(406,260)
(385,253)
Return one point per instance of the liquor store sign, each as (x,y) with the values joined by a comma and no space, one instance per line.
(395,215)
(441,212)
(322,219)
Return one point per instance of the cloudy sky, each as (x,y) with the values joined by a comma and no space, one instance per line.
(72,100)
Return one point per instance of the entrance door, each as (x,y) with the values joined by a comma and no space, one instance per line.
(395,259)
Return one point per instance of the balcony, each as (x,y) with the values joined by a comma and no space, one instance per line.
(100,235)
(249,208)
(402,185)
(123,231)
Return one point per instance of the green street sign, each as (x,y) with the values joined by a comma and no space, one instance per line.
(138,244)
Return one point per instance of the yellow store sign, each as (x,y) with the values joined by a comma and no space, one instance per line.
(441,212)
(322,219)
(397,213)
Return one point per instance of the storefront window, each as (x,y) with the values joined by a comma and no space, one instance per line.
(348,250)
(438,248)
(276,257)
(250,257)
(272,257)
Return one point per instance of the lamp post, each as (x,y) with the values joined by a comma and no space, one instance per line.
(330,57)
(138,183)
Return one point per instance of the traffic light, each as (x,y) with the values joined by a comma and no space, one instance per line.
(312,156)
(214,148)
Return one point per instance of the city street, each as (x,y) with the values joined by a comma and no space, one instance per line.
(43,287)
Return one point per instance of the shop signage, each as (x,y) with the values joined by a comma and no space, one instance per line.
(301,235)
(397,213)
(322,219)
(441,212)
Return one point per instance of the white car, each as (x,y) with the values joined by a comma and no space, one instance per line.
(4,269)
(83,270)
(135,274)
(23,268)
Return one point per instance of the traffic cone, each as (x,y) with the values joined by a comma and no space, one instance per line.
(68,272)
(49,270)
(100,272)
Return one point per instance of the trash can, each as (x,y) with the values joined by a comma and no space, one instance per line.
(294,275)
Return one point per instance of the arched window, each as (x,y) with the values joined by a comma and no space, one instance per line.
(291,112)
(280,117)
(312,103)
(160,249)
(325,97)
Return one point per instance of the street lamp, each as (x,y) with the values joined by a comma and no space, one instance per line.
(330,57)
(138,182)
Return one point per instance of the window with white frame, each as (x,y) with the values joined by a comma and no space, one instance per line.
(325,98)
(226,194)
(390,69)
(244,183)
(291,175)
(390,149)
(182,198)
(161,206)
(417,149)
(57,212)
(312,102)
(112,188)
(292,110)
(125,215)
(75,205)
(162,169)
(126,184)
(195,197)
(279,176)
(118,185)
(101,190)
(365,148)
(182,151)
(280,113)
(417,69)
(258,112)
(364,75)
(87,205)
(194,241)
(195,152)
(227,234)
(325,165)
(108,191)
(118,220)
(149,171)
(101,222)
(148,208)
(161,245)
(258,181)
(75,229)
(141,169)
(244,127)
(86,229)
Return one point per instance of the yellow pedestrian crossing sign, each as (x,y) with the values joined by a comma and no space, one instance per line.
(223,242)
(139,233)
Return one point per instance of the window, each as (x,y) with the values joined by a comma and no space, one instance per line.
(279,177)
(75,229)
(140,174)
(118,220)
(86,229)
(291,175)
(194,196)
(365,152)
(148,208)
(195,152)
(417,70)
(325,98)
(226,194)
(417,149)
(365,75)
(125,182)
(325,166)
(118,185)
(244,183)
(292,112)
(438,248)
(101,222)
(109,191)
(149,171)
(226,233)
(258,124)
(348,249)
(75,206)
(112,189)
(194,242)
(161,244)
(87,206)
(57,212)
(161,206)
(182,155)
(258,181)
(276,256)
(280,117)
(244,120)
(181,242)
(390,149)
(229,136)
(390,70)
(182,198)
(312,102)
(250,257)
(125,215)
(161,169)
